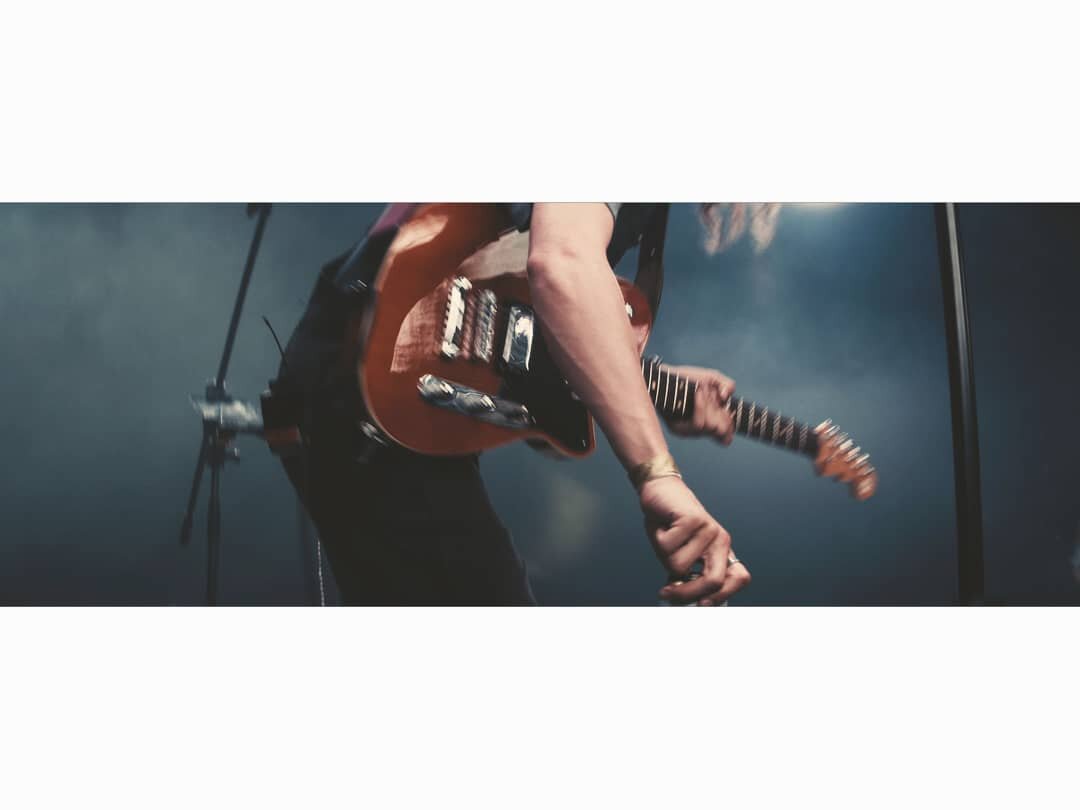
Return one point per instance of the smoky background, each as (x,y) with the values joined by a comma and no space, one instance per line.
(111,315)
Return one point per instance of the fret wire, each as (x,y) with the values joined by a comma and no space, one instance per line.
(748,420)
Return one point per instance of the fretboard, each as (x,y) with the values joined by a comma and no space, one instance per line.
(674,395)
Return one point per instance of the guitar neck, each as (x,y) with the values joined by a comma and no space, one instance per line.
(673,396)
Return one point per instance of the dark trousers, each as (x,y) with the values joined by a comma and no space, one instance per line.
(398,528)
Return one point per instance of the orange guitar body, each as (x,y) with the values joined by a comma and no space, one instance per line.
(401,336)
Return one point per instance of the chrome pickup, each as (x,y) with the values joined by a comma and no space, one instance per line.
(454,322)
(484,329)
(470,402)
(517,348)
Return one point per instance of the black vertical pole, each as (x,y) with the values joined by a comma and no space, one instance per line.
(213,532)
(263,210)
(965,426)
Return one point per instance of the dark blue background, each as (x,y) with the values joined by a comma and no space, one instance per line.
(112,315)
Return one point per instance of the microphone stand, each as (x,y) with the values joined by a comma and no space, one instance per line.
(222,417)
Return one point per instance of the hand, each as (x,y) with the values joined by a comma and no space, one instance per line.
(683,532)
(711,416)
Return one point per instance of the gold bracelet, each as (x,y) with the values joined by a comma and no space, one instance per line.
(662,466)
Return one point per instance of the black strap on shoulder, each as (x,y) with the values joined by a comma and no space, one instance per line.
(650,272)
(360,266)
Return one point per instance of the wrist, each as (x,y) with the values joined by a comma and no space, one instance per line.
(661,465)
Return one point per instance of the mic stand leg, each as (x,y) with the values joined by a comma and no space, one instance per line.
(193,496)
(213,532)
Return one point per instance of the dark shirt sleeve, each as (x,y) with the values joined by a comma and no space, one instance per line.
(521,213)
(629,224)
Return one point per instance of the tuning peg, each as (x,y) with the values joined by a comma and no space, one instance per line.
(864,488)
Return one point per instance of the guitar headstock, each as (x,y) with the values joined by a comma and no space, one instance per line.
(838,457)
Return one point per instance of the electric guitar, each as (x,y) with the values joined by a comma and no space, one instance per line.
(451,360)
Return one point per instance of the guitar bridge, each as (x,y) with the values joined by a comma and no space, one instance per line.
(454,321)
(484,329)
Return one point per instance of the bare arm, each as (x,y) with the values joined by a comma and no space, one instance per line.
(583,315)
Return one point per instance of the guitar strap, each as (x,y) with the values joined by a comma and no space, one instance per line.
(650,272)
(357,272)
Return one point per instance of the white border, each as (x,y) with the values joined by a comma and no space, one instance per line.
(679,101)
(498,708)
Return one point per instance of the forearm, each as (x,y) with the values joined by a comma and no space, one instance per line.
(583,317)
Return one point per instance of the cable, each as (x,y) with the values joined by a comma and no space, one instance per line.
(318,540)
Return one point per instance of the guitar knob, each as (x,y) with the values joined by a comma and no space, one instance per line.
(481,404)
(433,388)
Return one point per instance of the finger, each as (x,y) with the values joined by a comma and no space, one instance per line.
(712,422)
(717,415)
(683,558)
(712,577)
(693,590)
(704,403)
(726,427)
(738,577)
(726,386)
(670,538)
(701,418)
(721,424)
